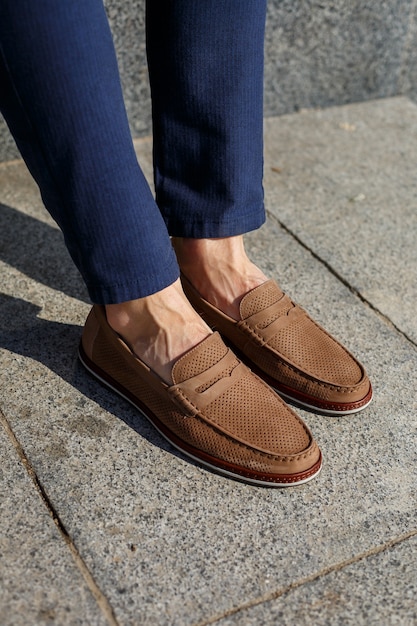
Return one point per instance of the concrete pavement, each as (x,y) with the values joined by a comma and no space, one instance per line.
(102,522)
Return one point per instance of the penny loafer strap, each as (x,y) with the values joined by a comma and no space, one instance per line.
(253,323)
(193,395)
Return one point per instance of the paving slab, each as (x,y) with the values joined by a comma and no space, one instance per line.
(166,541)
(344,181)
(39,583)
(380,590)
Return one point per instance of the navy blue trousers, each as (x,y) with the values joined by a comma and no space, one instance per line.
(61,97)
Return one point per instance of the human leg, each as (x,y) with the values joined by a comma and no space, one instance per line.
(205,402)
(61,96)
(208,173)
(206,74)
(219,269)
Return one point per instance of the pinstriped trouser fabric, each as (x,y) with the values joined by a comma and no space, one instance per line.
(60,94)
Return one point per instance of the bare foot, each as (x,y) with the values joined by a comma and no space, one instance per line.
(159,328)
(219,269)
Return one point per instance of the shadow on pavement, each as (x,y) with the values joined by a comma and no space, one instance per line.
(55,346)
(38,251)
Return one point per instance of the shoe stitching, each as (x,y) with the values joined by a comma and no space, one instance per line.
(214,380)
(267,455)
(178,393)
(321,329)
(253,332)
(190,352)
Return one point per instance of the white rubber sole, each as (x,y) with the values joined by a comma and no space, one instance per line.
(314,409)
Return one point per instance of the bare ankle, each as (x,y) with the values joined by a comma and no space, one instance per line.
(219,269)
(209,251)
(158,328)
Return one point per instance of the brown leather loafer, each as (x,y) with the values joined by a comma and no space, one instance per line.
(290,351)
(217,411)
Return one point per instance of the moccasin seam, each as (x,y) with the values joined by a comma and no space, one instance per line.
(252,331)
(310,319)
(297,370)
(280,459)
(209,423)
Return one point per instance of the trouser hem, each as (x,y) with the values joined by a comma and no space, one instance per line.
(137,288)
(205,229)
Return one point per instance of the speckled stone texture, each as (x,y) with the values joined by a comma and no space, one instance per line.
(381,590)
(317,54)
(324,53)
(168,542)
(39,582)
(347,187)
(408,80)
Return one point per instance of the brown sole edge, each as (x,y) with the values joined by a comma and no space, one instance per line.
(219,466)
